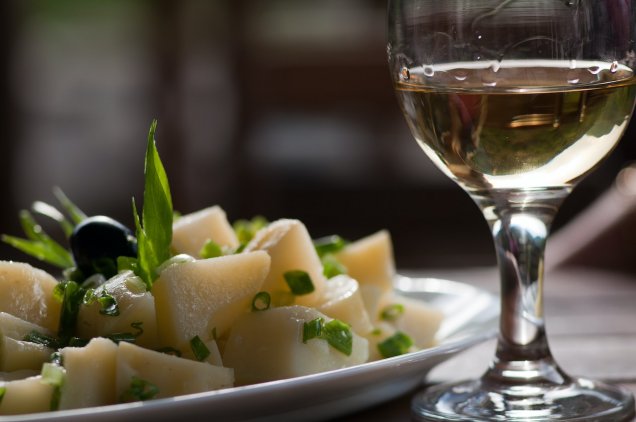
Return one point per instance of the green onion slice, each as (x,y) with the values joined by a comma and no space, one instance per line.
(392,312)
(398,344)
(200,350)
(329,244)
(312,329)
(139,389)
(210,249)
(261,301)
(339,336)
(299,282)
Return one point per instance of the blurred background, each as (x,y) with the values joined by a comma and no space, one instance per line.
(282,108)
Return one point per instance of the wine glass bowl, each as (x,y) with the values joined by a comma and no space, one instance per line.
(517,101)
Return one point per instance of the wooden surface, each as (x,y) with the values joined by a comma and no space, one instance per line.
(591,326)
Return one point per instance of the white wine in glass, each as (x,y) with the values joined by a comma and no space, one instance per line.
(517,101)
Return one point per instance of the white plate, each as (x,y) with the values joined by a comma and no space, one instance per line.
(471,317)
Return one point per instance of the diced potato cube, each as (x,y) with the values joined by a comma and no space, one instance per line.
(414,317)
(18,354)
(15,353)
(268,345)
(199,297)
(135,304)
(190,232)
(28,395)
(90,374)
(342,300)
(27,293)
(170,375)
(370,260)
(291,248)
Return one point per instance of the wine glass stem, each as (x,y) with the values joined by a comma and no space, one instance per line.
(520,224)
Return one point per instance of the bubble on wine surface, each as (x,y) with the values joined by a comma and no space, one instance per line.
(594,70)
(429,71)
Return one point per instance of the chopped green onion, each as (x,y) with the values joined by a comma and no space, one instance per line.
(109,305)
(329,244)
(312,329)
(246,229)
(376,332)
(331,267)
(139,389)
(261,301)
(53,374)
(200,350)
(335,332)
(56,358)
(398,344)
(107,302)
(3,391)
(210,249)
(37,337)
(339,336)
(299,282)
(72,296)
(392,312)
(214,334)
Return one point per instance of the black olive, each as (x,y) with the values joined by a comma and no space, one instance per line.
(96,243)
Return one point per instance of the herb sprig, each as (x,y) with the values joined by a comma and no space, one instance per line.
(154,228)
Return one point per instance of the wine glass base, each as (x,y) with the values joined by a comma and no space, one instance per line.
(579,400)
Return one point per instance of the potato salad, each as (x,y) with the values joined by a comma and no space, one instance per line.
(190,303)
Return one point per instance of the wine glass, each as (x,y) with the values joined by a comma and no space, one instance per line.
(517,101)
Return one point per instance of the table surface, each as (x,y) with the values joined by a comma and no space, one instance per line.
(590,322)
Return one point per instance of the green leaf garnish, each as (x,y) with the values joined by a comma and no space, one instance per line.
(210,249)
(299,282)
(200,350)
(335,332)
(139,390)
(392,312)
(42,208)
(398,344)
(38,244)
(154,228)
(261,301)
(76,214)
(3,390)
